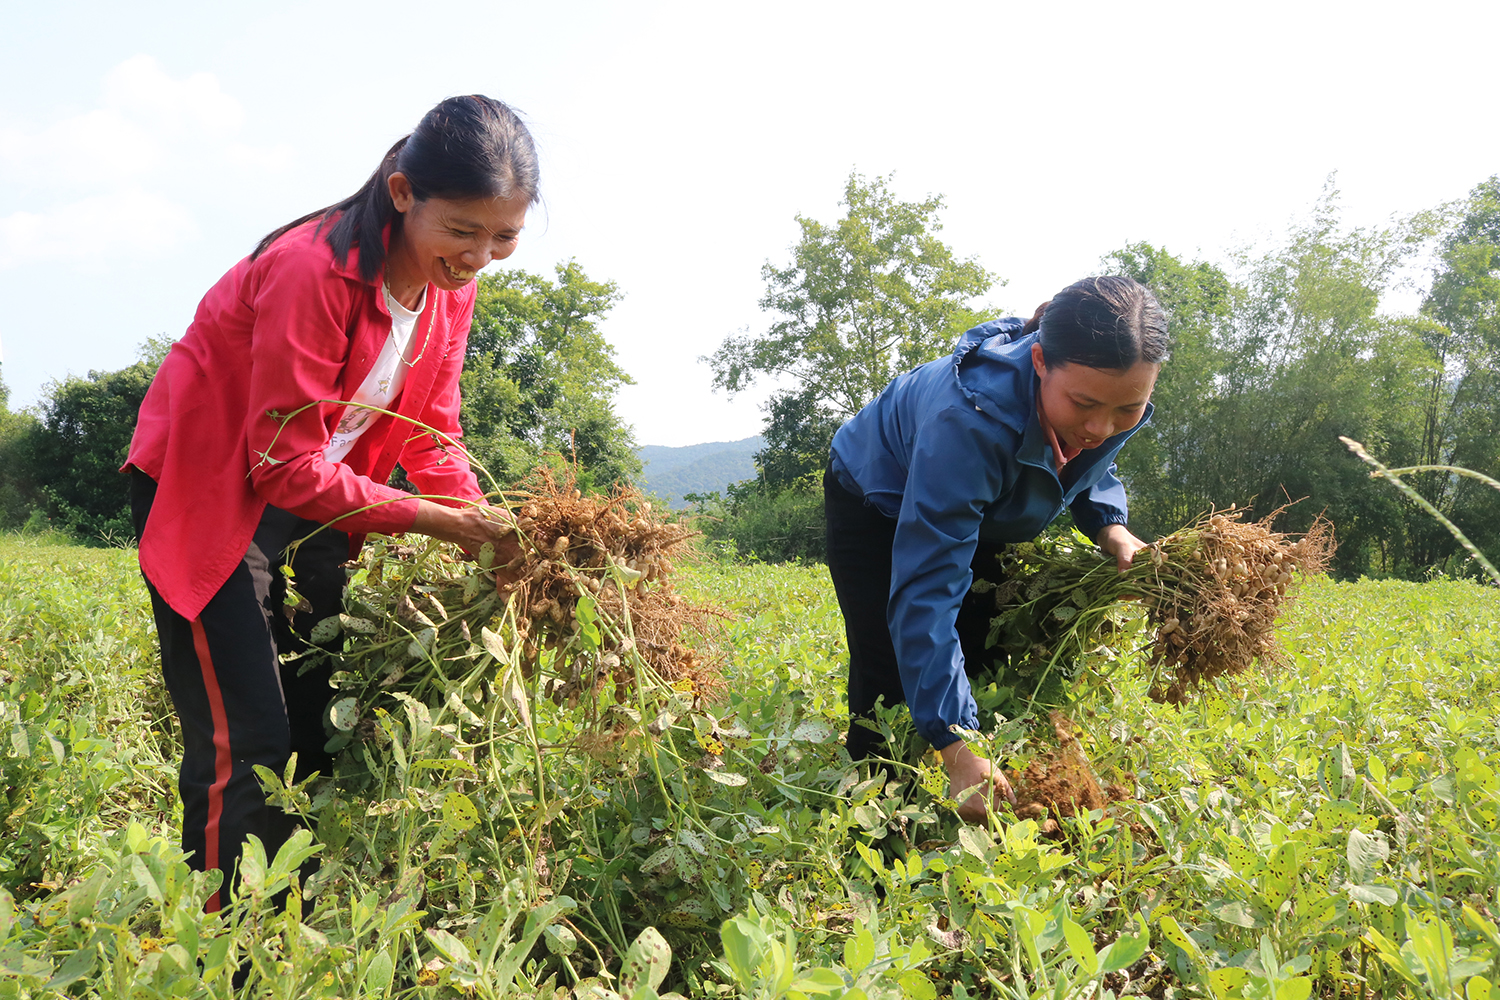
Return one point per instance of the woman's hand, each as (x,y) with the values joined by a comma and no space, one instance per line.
(471,527)
(967,769)
(1117,540)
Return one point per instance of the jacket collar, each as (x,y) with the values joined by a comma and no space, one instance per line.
(1036,450)
(1006,390)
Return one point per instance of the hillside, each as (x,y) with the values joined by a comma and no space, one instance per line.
(696,468)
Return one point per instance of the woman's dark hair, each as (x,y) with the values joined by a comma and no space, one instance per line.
(466,147)
(1111,322)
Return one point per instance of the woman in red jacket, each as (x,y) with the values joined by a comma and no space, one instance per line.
(264,424)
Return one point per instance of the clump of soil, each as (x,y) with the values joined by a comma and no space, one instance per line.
(1060,782)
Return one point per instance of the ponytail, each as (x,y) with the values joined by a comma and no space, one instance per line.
(360,222)
(1036,319)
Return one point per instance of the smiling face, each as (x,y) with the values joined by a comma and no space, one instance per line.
(446,242)
(1087,406)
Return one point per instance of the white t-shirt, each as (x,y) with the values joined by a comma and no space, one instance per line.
(382,387)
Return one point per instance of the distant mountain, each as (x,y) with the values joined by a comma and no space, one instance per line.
(696,468)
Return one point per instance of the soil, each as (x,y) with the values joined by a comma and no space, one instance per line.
(1061,782)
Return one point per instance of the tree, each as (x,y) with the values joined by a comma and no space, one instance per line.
(1266,372)
(863,300)
(1461,423)
(540,379)
(18,493)
(1165,464)
(73,455)
(1311,356)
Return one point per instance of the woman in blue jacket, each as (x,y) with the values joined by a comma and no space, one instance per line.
(978,449)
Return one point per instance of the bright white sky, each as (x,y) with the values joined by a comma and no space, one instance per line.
(144,148)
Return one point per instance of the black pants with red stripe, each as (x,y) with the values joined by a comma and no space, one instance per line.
(238,705)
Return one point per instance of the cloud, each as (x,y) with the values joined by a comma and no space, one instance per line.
(95,180)
(147,223)
(138,87)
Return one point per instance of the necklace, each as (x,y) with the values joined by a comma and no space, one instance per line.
(391,305)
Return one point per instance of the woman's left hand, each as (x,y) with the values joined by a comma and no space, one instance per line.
(1117,540)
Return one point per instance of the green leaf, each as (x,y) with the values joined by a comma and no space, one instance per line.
(379,973)
(449,946)
(1297,988)
(859,950)
(914,986)
(1081,947)
(494,645)
(79,965)
(1280,878)
(1127,949)
(745,945)
(1372,894)
(459,811)
(344,714)
(325,631)
(819,982)
(1228,979)
(646,962)
(1485,927)
(1366,852)
(560,939)
(1235,912)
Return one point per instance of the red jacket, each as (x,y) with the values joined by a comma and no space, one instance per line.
(274,334)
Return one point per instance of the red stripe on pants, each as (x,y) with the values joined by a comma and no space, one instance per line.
(223,763)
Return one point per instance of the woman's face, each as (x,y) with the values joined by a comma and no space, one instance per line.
(1087,406)
(445,242)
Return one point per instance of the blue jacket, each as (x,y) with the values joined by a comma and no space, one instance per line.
(954,452)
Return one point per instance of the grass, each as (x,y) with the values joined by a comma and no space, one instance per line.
(1330,828)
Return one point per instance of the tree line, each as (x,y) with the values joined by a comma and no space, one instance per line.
(1276,352)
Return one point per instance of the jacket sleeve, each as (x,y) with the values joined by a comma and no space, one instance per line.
(432,462)
(298,350)
(1101,504)
(956,463)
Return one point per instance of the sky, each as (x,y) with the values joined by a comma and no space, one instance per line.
(146,147)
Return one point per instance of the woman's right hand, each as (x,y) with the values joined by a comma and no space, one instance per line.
(471,528)
(967,769)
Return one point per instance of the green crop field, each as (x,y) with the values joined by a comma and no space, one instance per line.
(1329,828)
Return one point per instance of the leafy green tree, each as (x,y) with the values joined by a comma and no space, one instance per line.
(1267,372)
(1165,464)
(1461,424)
(863,299)
(1311,357)
(761,524)
(539,379)
(797,435)
(72,457)
(18,494)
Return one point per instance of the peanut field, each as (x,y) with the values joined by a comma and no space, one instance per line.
(1329,827)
